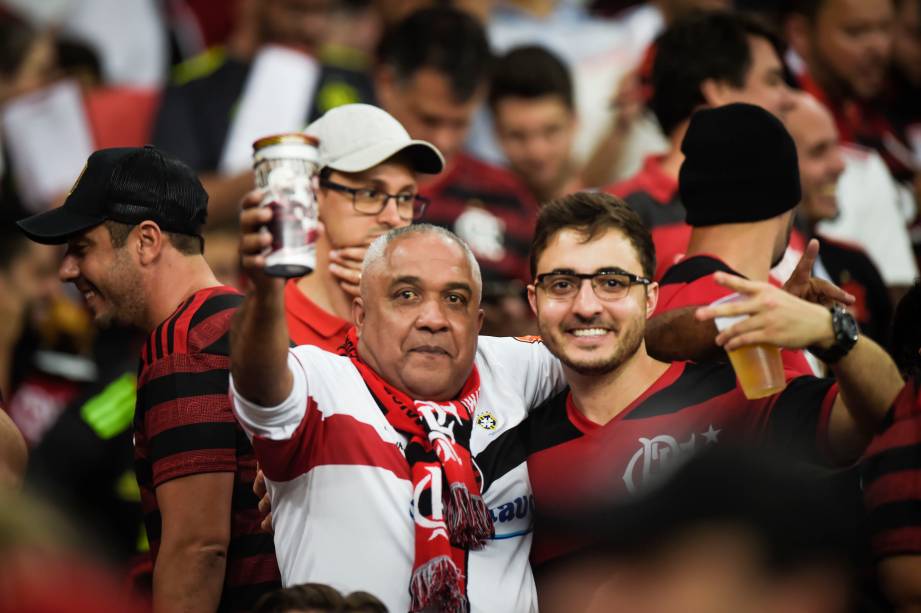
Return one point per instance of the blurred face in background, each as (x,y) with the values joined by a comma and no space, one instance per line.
(820,161)
(28,282)
(297,23)
(536,135)
(907,41)
(849,45)
(427,107)
(36,68)
(764,84)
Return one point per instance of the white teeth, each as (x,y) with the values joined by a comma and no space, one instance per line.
(88,295)
(590,332)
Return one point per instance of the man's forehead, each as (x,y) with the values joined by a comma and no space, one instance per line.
(569,249)
(425,255)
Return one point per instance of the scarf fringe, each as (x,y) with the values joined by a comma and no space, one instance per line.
(438,582)
(468,519)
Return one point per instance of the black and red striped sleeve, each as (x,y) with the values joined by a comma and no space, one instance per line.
(891,475)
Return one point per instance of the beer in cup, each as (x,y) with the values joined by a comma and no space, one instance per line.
(759,367)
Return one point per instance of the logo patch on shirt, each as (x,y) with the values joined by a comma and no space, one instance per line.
(487,420)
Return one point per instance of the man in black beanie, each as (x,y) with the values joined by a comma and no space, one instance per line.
(739,184)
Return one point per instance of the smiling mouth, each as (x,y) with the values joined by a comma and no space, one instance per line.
(589,332)
(87,290)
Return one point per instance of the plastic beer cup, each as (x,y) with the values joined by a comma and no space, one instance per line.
(759,368)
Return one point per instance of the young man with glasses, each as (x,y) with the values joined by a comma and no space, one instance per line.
(367,186)
(626,416)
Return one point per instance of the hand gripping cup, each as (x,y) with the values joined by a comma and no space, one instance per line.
(758,367)
(285,165)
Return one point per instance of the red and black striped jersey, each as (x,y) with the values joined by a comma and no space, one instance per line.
(891,475)
(184,425)
(690,282)
(491,210)
(574,461)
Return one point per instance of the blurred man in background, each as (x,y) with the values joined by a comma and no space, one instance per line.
(706,60)
(847,266)
(531,100)
(433,74)
(198,110)
(846,49)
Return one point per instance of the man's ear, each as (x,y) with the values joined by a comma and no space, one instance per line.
(715,92)
(149,242)
(652,298)
(358,313)
(532,298)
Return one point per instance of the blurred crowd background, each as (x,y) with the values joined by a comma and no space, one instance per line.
(527,99)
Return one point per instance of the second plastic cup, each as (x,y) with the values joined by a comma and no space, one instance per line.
(759,368)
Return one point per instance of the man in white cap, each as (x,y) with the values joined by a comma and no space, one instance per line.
(367,186)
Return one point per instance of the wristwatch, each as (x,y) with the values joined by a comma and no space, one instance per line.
(846,333)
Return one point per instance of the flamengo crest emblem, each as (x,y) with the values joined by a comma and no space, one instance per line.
(657,455)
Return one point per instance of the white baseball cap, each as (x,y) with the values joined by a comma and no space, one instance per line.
(356,137)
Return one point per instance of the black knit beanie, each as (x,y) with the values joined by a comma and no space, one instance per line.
(740,166)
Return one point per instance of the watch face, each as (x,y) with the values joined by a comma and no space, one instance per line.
(848,326)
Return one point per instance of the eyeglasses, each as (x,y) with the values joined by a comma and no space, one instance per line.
(608,284)
(370,201)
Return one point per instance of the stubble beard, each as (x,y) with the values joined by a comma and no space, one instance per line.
(626,347)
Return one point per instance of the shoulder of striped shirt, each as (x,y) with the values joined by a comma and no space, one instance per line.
(182,332)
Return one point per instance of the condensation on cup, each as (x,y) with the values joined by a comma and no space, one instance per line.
(759,367)
(285,166)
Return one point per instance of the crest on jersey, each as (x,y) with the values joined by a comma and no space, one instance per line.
(487,420)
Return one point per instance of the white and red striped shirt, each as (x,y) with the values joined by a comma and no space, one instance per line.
(340,485)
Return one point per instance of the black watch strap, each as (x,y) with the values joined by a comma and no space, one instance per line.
(846,335)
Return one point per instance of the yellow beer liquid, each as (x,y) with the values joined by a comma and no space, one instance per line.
(759,370)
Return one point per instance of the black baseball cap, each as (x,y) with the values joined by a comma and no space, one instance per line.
(128,185)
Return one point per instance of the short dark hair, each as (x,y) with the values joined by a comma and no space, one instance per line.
(185,244)
(530,72)
(306,596)
(906,333)
(444,39)
(711,45)
(363,602)
(591,214)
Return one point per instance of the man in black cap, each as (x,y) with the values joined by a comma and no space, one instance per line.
(740,185)
(132,224)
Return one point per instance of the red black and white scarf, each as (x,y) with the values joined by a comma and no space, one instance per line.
(448,509)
